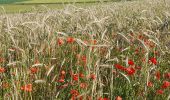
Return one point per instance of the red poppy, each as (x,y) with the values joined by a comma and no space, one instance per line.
(136,51)
(75,77)
(73,98)
(118,98)
(60,42)
(61,80)
(138,67)
(62,76)
(93,42)
(158,75)
(74,92)
(140,37)
(92,48)
(167,75)
(33,70)
(119,67)
(130,70)
(103,98)
(83,58)
(70,40)
(130,62)
(93,76)
(83,85)
(5,85)
(27,88)
(2,70)
(81,75)
(159,92)
(146,41)
(88,98)
(150,84)
(63,72)
(165,84)
(153,60)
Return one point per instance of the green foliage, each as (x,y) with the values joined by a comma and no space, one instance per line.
(10,1)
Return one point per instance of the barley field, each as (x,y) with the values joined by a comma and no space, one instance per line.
(108,51)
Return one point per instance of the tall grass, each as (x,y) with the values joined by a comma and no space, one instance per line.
(73,52)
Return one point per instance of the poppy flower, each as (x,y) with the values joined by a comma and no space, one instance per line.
(165,84)
(88,97)
(146,41)
(62,76)
(93,42)
(167,75)
(136,51)
(150,84)
(5,85)
(153,60)
(103,98)
(63,72)
(70,40)
(118,98)
(61,80)
(120,67)
(33,70)
(130,62)
(74,92)
(60,42)
(83,85)
(158,75)
(76,98)
(140,37)
(81,75)
(92,48)
(75,77)
(138,67)
(83,58)
(130,70)
(27,88)
(2,70)
(159,92)
(93,76)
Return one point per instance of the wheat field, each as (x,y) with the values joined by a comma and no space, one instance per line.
(109,51)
